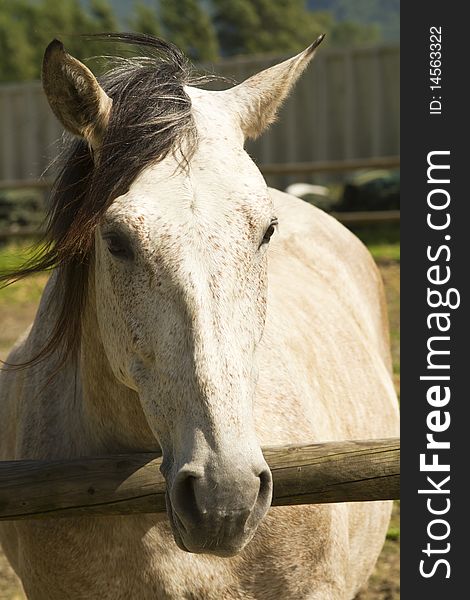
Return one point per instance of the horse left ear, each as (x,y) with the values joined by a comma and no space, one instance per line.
(258,99)
(74,94)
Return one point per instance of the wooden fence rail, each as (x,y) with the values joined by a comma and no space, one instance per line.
(350,471)
(294,168)
(330,166)
(347,218)
(350,219)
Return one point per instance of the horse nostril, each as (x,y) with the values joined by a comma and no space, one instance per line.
(184,497)
(265,488)
(220,508)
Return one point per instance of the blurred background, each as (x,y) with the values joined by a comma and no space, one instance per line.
(344,114)
(335,144)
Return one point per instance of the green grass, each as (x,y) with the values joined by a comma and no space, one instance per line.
(26,291)
(393,534)
(385,252)
(383,241)
(14,254)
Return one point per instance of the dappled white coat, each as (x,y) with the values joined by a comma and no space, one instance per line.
(323,374)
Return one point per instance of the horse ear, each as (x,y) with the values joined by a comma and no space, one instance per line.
(258,99)
(74,94)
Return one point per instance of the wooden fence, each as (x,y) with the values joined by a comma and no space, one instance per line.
(350,471)
(345,107)
(304,168)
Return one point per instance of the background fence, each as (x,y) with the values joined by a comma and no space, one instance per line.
(346,106)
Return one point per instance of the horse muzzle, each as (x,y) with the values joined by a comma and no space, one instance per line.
(217,511)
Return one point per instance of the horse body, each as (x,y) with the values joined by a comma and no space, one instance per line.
(323,373)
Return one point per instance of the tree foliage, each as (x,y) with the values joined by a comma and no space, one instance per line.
(350,33)
(145,19)
(17,55)
(103,16)
(188,25)
(27,27)
(263,26)
(204,29)
(383,15)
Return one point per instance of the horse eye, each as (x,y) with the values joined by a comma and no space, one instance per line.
(269,232)
(118,246)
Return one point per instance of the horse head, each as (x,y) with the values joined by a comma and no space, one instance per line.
(179,259)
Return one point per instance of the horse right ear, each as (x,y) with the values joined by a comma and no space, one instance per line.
(257,100)
(74,94)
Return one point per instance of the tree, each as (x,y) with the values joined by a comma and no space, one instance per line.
(349,33)
(233,18)
(201,28)
(383,14)
(188,25)
(264,26)
(17,53)
(64,20)
(103,16)
(145,20)
(27,27)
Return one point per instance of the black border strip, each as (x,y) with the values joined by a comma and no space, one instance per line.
(424,131)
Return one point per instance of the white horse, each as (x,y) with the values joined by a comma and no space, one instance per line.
(168,324)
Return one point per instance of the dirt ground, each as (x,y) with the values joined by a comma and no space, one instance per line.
(17,309)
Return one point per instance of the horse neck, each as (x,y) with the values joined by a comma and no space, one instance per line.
(113,412)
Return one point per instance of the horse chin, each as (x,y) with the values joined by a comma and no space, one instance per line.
(216,547)
(221,550)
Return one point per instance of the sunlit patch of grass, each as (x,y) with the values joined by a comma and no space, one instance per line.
(15,254)
(383,241)
(26,291)
(391,277)
(385,252)
(393,534)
